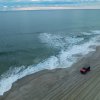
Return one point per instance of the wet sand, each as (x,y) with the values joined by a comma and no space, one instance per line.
(60,84)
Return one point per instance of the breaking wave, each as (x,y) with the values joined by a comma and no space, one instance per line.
(69,45)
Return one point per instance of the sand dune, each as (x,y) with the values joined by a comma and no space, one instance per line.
(60,84)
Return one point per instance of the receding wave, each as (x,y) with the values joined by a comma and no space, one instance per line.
(69,45)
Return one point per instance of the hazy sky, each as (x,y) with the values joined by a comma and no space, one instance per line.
(10,3)
(49,0)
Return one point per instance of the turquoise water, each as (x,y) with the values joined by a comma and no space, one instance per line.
(31,41)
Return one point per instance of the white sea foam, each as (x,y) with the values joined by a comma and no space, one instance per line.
(96,32)
(86,33)
(58,40)
(52,40)
(13,75)
(64,59)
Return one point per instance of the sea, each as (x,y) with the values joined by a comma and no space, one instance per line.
(31,41)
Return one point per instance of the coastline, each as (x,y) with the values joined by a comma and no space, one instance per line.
(52,7)
(60,84)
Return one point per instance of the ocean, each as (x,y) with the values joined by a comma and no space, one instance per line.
(31,41)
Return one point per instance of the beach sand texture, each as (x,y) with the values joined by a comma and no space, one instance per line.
(60,84)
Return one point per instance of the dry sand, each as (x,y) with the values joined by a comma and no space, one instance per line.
(60,84)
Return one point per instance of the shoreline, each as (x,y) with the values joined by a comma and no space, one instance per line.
(52,8)
(62,84)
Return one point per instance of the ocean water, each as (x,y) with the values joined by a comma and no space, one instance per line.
(31,41)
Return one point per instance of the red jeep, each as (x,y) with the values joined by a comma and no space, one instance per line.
(84,70)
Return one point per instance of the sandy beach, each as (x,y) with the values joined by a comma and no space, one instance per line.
(60,84)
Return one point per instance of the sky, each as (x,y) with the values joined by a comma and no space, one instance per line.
(10,3)
(45,0)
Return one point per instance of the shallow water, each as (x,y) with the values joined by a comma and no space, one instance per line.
(31,41)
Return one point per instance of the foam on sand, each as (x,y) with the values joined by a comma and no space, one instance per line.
(69,47)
